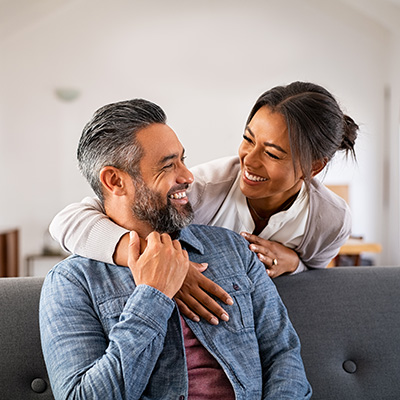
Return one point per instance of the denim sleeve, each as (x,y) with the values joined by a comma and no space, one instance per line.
(82,362)
(282,367)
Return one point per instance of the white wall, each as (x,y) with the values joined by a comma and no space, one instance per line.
(205,63)
(391,196)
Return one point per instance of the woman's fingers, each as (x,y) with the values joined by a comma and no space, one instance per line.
(252,238)
(277,258)
(185,310)
(192,308)
(194,298)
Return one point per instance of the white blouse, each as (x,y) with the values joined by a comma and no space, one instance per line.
(286,227)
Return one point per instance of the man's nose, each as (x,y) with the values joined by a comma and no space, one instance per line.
(185,176)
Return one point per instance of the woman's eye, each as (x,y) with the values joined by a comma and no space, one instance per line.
(272,155)
(247,139)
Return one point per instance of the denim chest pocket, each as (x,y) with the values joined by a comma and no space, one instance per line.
(239,287)
(110,309)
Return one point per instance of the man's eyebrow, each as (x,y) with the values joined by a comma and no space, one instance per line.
(170,157)
(267,144)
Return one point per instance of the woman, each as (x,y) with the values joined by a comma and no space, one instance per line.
(269,193)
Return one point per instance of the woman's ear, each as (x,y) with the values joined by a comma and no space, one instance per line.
(318,166)
(113,180)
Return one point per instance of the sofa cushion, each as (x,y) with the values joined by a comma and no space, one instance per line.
(348,321)
(23,372)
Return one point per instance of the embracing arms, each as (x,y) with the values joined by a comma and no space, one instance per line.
(84,229)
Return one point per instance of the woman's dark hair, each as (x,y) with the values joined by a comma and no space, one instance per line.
(317,126)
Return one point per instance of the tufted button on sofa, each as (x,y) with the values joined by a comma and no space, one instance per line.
(348,320)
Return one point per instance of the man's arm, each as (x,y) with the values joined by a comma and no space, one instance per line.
(82,361)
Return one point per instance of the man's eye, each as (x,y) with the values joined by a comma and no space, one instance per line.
(168,166)
(183,159)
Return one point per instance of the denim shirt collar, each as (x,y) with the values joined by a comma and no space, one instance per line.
(186,236)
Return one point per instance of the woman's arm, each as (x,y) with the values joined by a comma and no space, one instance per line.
(83,228)
(328,227)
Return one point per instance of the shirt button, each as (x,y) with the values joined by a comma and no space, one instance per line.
(181,397)
(236,286)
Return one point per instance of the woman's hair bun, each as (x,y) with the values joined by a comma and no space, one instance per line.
(350,133)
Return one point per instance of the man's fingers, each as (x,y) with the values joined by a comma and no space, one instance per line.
(166,239)
(133,248)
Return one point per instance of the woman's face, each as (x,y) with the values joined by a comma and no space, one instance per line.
(267,169)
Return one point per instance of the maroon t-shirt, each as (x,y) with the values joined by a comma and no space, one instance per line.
(207,379)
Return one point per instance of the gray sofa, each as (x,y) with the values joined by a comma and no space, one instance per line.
(348,320)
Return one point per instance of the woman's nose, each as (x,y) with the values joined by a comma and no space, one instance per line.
(252,157)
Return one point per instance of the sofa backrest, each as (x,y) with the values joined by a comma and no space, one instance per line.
(348,320)
(23,375)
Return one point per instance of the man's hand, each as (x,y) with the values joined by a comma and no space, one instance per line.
(194,301)
(163,264)
(277,258)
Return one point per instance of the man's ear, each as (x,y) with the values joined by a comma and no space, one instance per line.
(113,180)
(318,166)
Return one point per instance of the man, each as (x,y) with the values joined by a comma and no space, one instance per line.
(114,332)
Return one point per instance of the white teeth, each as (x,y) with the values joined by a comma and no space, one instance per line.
(254,178)
(179,195)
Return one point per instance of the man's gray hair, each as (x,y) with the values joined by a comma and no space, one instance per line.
(109,139)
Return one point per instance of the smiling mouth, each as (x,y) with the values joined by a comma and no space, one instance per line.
(178,195)
(254,178)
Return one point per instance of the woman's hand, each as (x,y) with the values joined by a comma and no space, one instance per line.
(193,297)
(194,301)
(277,258)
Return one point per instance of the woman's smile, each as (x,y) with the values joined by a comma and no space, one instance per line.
(247,176)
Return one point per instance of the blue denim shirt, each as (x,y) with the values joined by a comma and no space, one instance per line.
(105,338)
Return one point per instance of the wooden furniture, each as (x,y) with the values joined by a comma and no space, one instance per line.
(340,190)
(355,247)
(9,253)
(40,264)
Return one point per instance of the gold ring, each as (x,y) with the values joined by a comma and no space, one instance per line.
(274,261)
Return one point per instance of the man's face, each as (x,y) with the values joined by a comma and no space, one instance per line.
(160,194)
